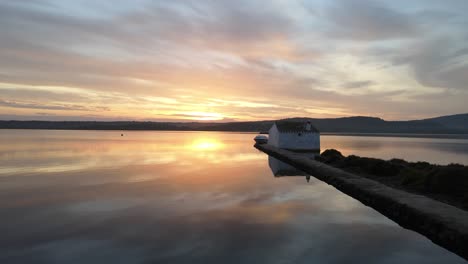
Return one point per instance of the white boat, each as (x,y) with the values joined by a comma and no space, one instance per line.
(261,139)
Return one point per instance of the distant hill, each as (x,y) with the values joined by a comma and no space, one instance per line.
(456,124)
(453,124)
(453,121)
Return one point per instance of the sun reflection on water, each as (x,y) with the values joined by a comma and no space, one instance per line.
(206,144)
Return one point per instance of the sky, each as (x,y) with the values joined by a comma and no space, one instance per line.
(224,60)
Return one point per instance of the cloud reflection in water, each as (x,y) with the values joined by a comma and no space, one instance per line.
(152,198)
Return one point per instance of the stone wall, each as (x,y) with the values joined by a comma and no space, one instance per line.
(444,224)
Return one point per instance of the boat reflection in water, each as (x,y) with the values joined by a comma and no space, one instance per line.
(282,169)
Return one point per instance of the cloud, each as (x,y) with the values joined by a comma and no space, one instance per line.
(116,54)
(33,105)
(359,84)
(43,95)
(220,25)
(368,20)
(439,63)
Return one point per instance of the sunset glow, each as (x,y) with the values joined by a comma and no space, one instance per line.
(203,116)
(231,60)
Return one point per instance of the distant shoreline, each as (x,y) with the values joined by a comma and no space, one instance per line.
(345,134)
(455,126)
(402,135)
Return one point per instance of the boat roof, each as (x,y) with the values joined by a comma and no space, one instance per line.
(294,126)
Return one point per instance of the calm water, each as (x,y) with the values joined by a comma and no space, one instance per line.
(196,197)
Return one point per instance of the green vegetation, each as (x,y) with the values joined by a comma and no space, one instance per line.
(445,183)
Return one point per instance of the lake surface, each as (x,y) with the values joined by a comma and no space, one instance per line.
(193,197)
